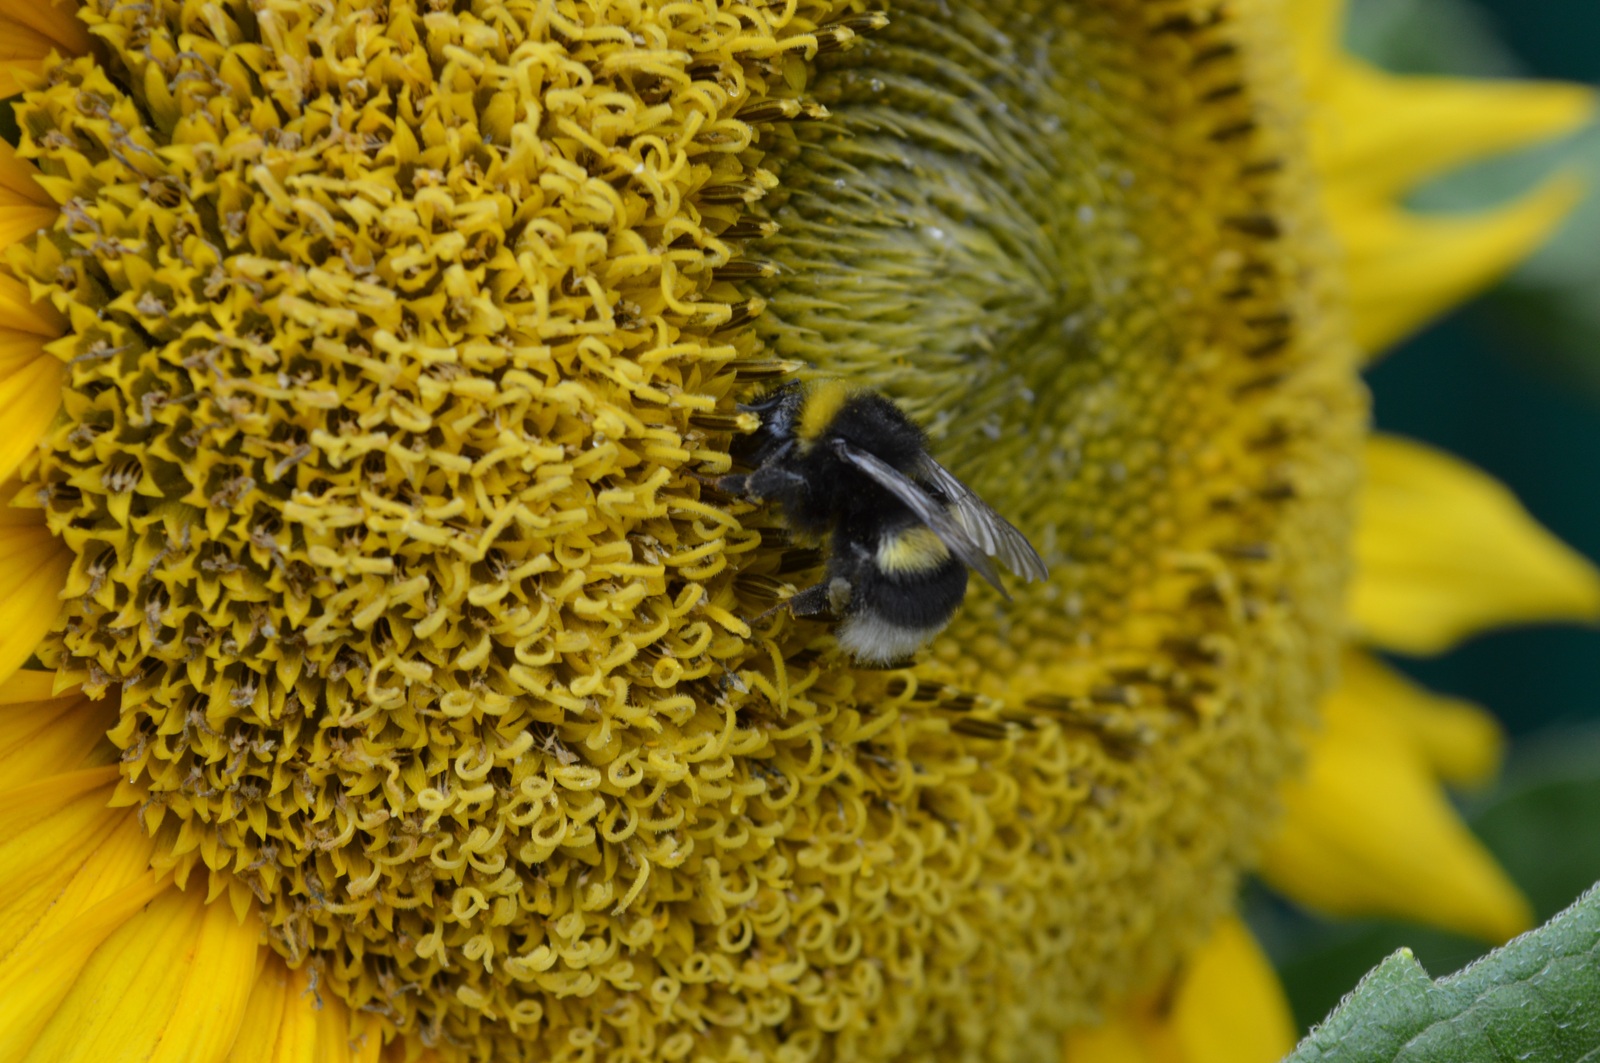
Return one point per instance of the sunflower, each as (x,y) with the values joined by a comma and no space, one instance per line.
(376,682)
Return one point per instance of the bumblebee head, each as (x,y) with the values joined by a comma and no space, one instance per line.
(779,410)
(800,412)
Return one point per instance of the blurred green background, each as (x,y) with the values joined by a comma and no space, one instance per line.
(1511,383)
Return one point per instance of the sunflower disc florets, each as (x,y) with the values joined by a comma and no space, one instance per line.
(399,334)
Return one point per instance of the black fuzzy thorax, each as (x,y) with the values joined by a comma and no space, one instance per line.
(832,495)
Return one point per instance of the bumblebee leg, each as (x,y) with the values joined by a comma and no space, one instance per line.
(771,481)
(822,600)
(817,601)
(762,484)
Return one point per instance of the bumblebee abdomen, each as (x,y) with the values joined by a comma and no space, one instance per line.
(918,600)
(910,553)
(892,617)
(905,588)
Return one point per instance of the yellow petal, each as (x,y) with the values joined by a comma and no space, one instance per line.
(24,206)
(406,1050)
(285,1022)
(1443,551)
(18,350)
(218,980)
(1376,136)
(1367,831)
(30,377)
(20,67)
(1387,134)
(33,569)
(1402,268)
(1123,1038)
(29,31)
(29,397)
(35,980)
(63,850)
(109,852)
(169,984)
(30,806)
(19,220)
(1226,1007)
(16,180)
(47,737)
(41,855)
(1316,27)
(20,313)
(1230,1006)
(54,20)
(28,687)
(1460,742)
(259,1039)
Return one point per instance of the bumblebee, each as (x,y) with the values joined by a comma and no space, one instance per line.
(902,531)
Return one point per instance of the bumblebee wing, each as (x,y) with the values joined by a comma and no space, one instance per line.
(926,508)
(997,536)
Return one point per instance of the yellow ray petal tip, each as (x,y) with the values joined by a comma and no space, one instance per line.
(1388,133)
(1405,268)
(1368,831)
(1462,742)
(1444,551)
(1225,1006)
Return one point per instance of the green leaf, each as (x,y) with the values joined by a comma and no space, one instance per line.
(1537,998)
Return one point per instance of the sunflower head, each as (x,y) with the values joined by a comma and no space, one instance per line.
(399,340)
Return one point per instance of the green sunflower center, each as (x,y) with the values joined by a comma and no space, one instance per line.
(399,333)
